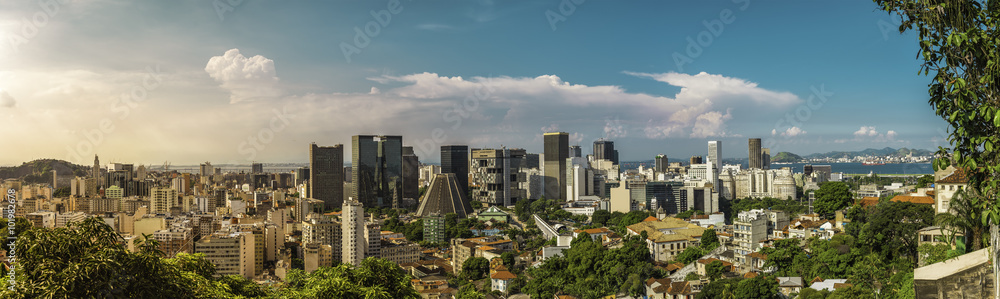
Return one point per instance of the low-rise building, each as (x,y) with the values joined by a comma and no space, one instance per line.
(399,251)
(501,279)
(668,237)
(789,285)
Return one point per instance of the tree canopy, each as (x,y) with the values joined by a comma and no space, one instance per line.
(590,270)
(831,197)
(88,259)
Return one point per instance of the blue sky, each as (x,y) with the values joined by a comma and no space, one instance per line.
(235,81)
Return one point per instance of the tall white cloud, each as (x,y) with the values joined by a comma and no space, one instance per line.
(245,78)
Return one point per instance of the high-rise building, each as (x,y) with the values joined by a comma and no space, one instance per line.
(605,149)
(162,199)
(411,173)
(302,174)
(96,171)
(574,151)
(326,172)
(324,230)
(377,170)
(353,233)
(755,154)
(256,167)
(175,239)
(696,160)
(223,251)
(715,154)
(455,159)
(530,161)
(205,169)
(765,158)
(660,164)
(434,230)
(556,152)
(496,175)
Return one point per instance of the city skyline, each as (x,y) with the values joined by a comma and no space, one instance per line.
(203,82)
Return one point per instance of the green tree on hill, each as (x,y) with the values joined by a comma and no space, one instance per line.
(831,197)
(958,42)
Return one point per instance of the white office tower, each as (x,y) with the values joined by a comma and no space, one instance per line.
(715,155)
(353,229)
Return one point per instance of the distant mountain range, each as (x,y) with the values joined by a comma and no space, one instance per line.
(40,171)
(888,151)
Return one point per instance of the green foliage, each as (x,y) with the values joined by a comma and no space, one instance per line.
(714,270)
(925,181)
(241,286)
(868,271)
(810,293)
(581,238)
(509,258)
(721,289)
(601,217)
(690,255)
(619,220)
(793,207)
(901,286)
(475,268)
(469,291)
(709,240)
(963,216)
(87,259)
(692,276)
(958,42)
(374,278)
(786,157)
(413,231)
(853,292)
(831,197)
(61,192)
(828,258)
(757,287)
(890,228)
(591,271)
(20,226)
(935,253)
(421,190)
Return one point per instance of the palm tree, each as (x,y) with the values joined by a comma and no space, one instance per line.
(963,216)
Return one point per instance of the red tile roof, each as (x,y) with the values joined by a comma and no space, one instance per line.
(927,200)
(504,275)
(868,201)
(650,218)
(957,177)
